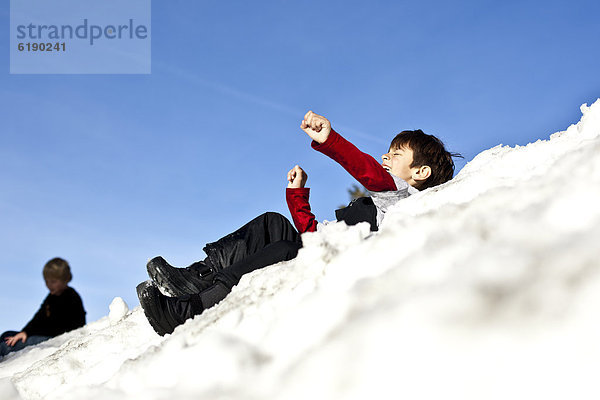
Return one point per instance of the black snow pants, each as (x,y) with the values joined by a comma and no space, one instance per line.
(267,239)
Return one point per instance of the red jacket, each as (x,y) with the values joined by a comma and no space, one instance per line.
(364,168)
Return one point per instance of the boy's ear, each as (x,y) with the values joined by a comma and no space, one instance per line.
(422,173)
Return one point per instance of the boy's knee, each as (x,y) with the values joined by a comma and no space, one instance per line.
(267,217)
(273,215)
(277,219)
(274,219)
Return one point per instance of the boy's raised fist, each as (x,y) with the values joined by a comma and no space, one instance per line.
(316,126)
(296,177)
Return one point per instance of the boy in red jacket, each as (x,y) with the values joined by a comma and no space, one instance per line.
(414,161)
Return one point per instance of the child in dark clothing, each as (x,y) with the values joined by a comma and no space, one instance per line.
(414,161)
(61,311)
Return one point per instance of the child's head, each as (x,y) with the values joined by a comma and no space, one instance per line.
(57,275)
(419,159)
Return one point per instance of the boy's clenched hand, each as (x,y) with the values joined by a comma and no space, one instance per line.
(316,126)
(296,178)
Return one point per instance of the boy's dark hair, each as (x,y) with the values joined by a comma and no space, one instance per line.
(427,150)
(57,268)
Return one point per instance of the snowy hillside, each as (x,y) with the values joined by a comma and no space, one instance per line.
(484,288)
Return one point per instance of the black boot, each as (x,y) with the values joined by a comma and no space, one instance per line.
(180,281)
(166,313)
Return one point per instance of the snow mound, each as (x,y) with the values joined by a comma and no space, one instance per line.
(118,309)
(484,287)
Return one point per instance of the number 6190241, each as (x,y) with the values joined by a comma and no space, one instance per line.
(42,46)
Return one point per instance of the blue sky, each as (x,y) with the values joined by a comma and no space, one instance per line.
(108,171)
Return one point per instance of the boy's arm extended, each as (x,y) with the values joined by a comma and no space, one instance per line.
(296,196)
(364,168)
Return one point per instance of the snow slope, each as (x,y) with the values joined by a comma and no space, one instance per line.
(483,288)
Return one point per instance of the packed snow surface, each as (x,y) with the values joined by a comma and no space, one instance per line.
(486,287)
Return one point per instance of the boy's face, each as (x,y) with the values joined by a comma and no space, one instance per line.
(55,286)
(398,161)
